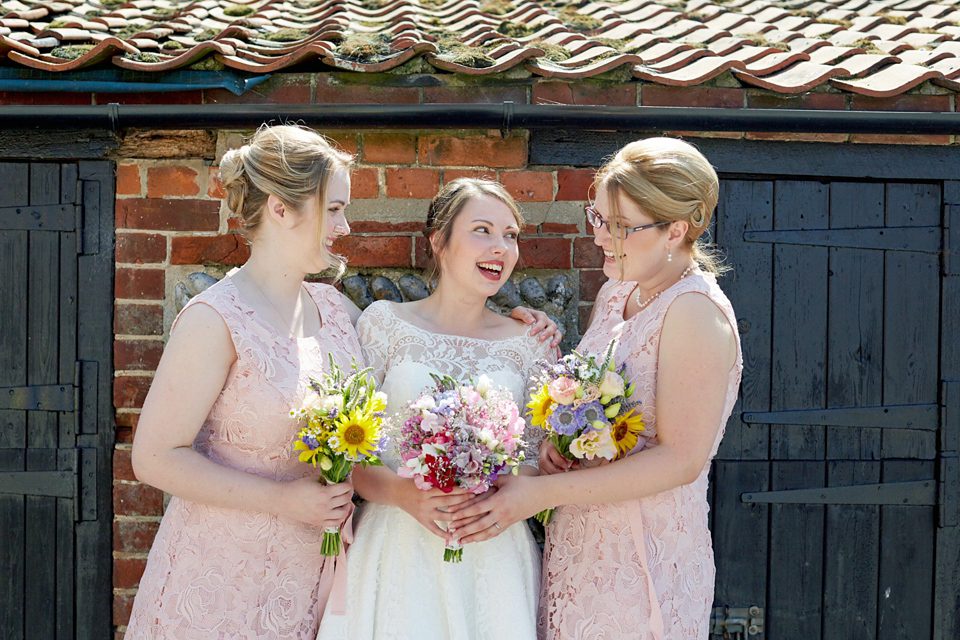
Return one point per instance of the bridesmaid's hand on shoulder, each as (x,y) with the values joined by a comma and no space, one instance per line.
(551,461)
(540,324)
(309,501)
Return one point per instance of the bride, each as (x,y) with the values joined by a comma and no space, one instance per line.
(398,585)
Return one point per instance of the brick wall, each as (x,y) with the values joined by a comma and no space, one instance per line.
(170,223)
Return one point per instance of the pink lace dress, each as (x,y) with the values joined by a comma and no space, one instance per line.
(641,569)
(226,573)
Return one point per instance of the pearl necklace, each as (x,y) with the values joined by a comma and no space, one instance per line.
(646,303)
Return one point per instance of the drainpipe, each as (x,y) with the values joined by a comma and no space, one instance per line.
(505,116)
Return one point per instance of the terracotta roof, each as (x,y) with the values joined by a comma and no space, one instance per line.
(876,48)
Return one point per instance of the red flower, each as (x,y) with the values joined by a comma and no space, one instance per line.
(442,474)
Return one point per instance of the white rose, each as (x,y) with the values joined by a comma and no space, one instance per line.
(611,385)
(484,384)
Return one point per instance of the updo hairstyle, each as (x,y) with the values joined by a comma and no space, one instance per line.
(447,205)
(290,162)
(669,180)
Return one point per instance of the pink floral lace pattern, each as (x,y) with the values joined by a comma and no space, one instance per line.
(227,573)
(594,582)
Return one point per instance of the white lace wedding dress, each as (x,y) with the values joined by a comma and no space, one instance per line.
(398,586)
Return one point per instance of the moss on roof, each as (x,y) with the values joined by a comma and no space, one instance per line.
(496,7)
(287,34)
(206,34)
(364,47)
(72,52)
(172,45)
(552,52)
(515,29)
(238,10)
(580,21)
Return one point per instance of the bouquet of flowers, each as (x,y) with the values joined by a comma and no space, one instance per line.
(342,417)
(583,407)
(460,434)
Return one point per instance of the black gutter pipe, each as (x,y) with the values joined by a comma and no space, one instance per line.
(504,116)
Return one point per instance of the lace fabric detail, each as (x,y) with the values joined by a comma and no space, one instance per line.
(594,585)
(399,587)
(227,573)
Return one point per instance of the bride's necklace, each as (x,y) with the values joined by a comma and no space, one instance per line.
(646,303)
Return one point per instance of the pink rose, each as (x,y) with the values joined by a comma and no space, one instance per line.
(563,390)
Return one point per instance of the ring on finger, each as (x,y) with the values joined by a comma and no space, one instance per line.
(497,526)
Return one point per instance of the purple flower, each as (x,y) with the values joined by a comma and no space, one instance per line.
(565,420)
(591,412)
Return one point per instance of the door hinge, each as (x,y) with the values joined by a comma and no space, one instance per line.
(736,622)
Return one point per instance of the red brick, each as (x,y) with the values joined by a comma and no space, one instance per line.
(127,572)
(122,607)
(797,137)
(473,95)
(138,319)
(885,138)
(133,537)
(450,175)
(590,282)
(611,95)
(137,500)
(229,248)
(140,248)
(655,95)
(528,186)
(473,151)
(412,183)
(375,251)
(545,253)
(831,101)
(420,253)
(45,97)
(128,180)
(165,97)
(529,229)
(168,215)
(130,391)
(365,183)
(126,427)
(122,467)
(139,355)
(164,182)
(139,284)
(235,223)
(584,315)
(558,227)
(125,435)
(344,141)
(586,253)
(214,186)
(903,102)
(375,226)
(329,91)
(389,148)
(281,88)
(574,184)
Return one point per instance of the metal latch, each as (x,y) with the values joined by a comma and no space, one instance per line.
(736,622)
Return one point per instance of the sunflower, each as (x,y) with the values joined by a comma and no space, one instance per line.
(626,430)
(540,407)
(357,434)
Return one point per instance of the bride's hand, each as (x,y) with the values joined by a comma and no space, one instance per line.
(515,500)
(540,323)
(427,507)
(459,521)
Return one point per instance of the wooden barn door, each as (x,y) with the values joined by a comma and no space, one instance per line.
(834,493)
(55,420)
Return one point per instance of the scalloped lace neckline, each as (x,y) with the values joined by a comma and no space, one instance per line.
(389,307)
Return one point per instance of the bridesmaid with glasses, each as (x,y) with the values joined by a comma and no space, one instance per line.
(628,553)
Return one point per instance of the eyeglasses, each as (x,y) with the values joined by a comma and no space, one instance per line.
(596,222)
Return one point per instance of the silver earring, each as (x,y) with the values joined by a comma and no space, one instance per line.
(669,255)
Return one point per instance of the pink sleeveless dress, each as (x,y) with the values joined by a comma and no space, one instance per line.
(641,569)
(226,573)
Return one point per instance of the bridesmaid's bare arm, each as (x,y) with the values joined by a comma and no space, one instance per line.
(189,378)
(697,351)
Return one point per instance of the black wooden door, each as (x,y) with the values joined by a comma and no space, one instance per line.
(834,508)
(55,420)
